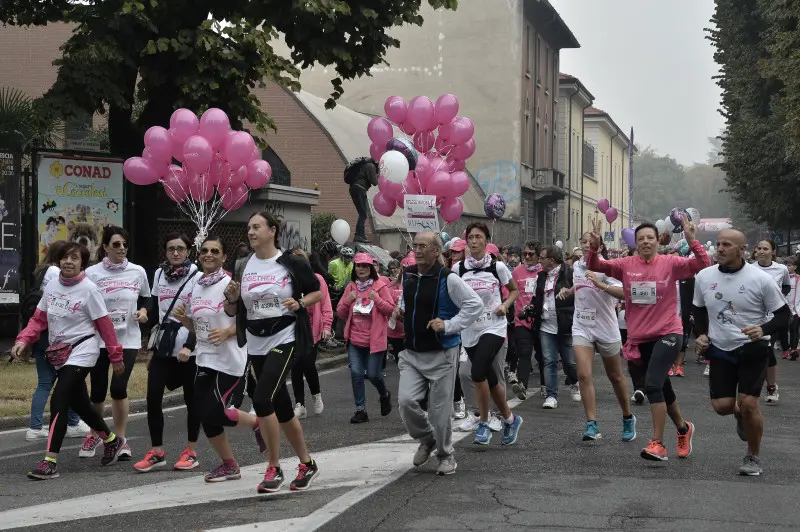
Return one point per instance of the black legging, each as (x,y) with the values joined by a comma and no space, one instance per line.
(657,358)
(70,392)
(794,329)
(169,373)
(271,396)
(782,336)
(528,347)
(214,393)
(119,383)
(512,358)
(482,357)
(306,366)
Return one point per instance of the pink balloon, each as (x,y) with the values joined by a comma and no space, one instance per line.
(159,165)
(256,154)
(411,184)
(219,168)
(444,147)
(157,139)
(611,215)
(424,172)
(446,108)
(383,205)
(258,174)
(214,126)
(200,188)
(380,130)
(603,205)
(460,184)
(238,149)
(376,151)
(390,189)
(234,197)
(458,165)
(424,141)
(407,128)
(395,109)
(139,171)
(421,113)
(177,150)
(178,173)
(464,151)
(440,184)
(451,209)
(444,130)
(238,177)
(461,130)
(174,189)
(438,163)
(197,153)
(182,125)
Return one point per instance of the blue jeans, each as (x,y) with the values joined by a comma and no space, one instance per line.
(361,361)
(554,345)
(46,374)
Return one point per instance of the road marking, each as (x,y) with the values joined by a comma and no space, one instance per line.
(63,448)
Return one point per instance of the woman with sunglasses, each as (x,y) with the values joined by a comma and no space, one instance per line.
(366,305)
(73,312)
(171,368)
(270,306)
(125,289)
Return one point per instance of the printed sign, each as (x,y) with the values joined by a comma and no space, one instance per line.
(608,236)
(10,184)
(420,213)
(78,196)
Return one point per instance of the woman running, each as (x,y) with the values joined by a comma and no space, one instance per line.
(655,331)
(125,290)
(73,312)
(271,318)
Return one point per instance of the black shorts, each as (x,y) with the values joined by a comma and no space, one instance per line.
(746,377)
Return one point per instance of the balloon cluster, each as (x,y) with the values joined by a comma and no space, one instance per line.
(605,207)
(213,157)
(431,163)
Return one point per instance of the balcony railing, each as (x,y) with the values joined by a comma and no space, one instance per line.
(545,182)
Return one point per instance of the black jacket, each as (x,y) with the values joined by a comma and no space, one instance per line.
(367,176)
(564,307)
(303,282)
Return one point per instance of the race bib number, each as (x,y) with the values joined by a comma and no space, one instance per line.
(484,320)
(586,316)
(530,285)
(201,328)
(119,320)
(363,306)
(267,307)
(643,292)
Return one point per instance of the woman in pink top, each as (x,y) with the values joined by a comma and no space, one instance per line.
(366,305)
(396,332)
(321,323)
(655,332)
(527,341)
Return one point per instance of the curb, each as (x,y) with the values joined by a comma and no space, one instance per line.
(170,399)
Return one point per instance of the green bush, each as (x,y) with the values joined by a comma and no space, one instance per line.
(321,228)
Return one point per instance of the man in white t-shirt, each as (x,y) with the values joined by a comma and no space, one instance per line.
(736,307)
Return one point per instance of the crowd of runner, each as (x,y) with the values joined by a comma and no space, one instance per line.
(464,320)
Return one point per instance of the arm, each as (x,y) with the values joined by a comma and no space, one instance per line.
(327,309)
(142,303)
(513,294)
(106,331)
(684,267)
(383,301)
(780,319)
(612,268)
(191,340)
(345,306)
(36,325)
(152,314)
(465,299)
(785,289)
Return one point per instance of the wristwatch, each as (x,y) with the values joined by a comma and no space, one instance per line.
(301,303)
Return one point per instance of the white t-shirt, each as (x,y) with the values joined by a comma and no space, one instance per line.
(487,287)
(747,297)
(778,272)
(51,274)
(71,312)
(121,291)
(595,316)
(165,292)
(207,312)
(791,297)
(549,322)
(265,284)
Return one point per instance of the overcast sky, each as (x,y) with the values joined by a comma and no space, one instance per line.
(649,66)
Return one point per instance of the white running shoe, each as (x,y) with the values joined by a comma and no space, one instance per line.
(78,431)
(543,391)
(459,409)
(300,411)
(495,423)
(511,378)
(550,403)
(575,392)
(707,371)
(36,434)
(318,405)
(774,396)
(469,423)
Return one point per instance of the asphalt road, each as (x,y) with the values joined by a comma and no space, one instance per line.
(550,480)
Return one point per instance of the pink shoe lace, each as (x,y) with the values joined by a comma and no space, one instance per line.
(271,473)
(90,442)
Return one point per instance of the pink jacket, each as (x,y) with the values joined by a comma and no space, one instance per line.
(647,323)
(397,292)
(383,308)
(322,312)
(521,276)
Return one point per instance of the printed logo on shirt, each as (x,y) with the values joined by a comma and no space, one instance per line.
(255,280)
(114,285)
(166,293)
(206,304)
(713,286)
(481,285)
(63,304)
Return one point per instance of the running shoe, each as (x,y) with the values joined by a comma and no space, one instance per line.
(223,472)
(550,403)
(592,431)
(793,354)
(36,434)
(125,453)
(751,466)
(78,431)
(495,423)
(319,406)
(654,451)
(360,416)
(447,465)
(638,397)
(707,371)
(112,450)
(679,371)
(46,470)
(187,461)
(423,453)
(671,372)
(469,423)
(772,395)
(459,409)
(575,393)
(90,445)
(629,429)
(151,460)
(519,390)
(511,378)
(785,355)
(305,476)
(542,391)
(300,411)
(273,479)
(483,434)
(386,404)
(510,431)
(685,441)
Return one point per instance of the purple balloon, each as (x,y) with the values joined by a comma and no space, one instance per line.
(676,217)
(494,206)
(406,148)
(611,215)
(603,205)
(629,237)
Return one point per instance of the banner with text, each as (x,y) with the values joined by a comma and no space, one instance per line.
(10,258)
(78,196)
(421,213)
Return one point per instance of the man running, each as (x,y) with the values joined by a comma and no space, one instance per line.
(737,306)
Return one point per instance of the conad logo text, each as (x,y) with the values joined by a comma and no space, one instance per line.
(86,170)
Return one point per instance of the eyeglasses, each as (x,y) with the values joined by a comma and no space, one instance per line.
(176,249)
(213,251)
(528,253)
(119,244)
(421,247)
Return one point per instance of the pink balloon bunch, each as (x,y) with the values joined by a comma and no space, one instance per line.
(444,142)
(213,157)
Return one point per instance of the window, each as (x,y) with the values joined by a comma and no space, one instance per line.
(538,59)
(588,160)
(527,49)
(281,175)
(548,77)
(534,156)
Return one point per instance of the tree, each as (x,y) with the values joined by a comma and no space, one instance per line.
(23,123)
(659,184)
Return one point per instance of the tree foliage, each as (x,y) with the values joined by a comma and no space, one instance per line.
(23,123)
(756,43)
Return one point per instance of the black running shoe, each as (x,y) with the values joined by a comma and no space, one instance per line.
(305,476)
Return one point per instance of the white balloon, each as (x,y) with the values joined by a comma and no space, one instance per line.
(661,226)
(695,214)
(559,244)
(340,231)
(393,166)
(708,244)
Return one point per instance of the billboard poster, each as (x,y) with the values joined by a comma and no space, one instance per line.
(10,185)
(77,197)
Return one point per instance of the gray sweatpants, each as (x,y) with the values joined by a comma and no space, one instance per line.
(434,370)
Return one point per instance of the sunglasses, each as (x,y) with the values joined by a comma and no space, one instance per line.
(528,254)
(178,249)
(213,251)
(119,244)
